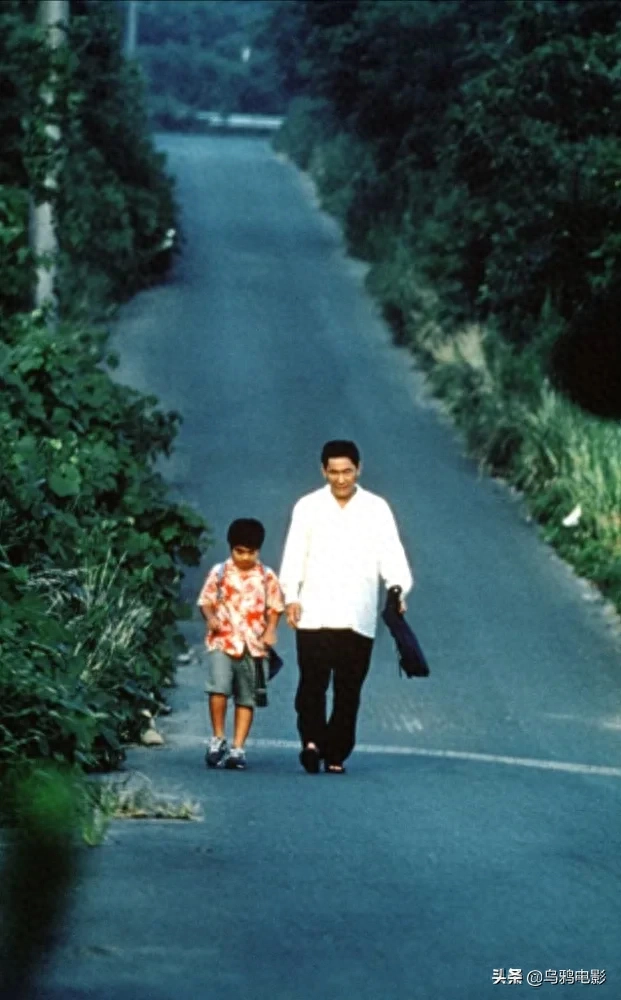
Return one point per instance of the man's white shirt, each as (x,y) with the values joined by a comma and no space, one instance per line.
(335,556)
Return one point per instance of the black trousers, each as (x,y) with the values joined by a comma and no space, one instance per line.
(343,656)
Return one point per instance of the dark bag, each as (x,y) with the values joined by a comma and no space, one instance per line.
(411,657)
(260,686)
(274,663)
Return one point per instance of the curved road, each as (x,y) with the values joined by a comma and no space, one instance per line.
(478,828)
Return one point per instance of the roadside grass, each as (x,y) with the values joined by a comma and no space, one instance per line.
(566,462)
(79,691)
(105,620)
(134,797)
(106,624)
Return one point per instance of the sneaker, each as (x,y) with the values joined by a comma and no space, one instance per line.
(236,759)
(216,751)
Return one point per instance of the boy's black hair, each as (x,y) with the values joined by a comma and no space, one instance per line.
(247,532)
(340,449)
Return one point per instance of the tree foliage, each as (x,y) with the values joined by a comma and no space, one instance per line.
(493,133)
(208,55)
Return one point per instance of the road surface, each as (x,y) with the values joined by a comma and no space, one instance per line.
(478,828)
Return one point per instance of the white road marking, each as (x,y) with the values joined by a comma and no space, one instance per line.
(485,758)
(612,723)
(411,724)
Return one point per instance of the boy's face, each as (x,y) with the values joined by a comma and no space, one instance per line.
(244,558)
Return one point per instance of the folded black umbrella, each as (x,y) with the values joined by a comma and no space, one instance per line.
(274,662)
(411,657)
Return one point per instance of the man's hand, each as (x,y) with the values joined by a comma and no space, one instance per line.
(402,607)
(293,613)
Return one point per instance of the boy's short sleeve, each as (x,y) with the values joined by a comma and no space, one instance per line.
(209,591)
(275,599)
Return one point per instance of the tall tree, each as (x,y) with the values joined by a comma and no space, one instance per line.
(131,33)
(53,16)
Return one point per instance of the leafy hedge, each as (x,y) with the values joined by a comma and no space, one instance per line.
(80,495)
(91,547)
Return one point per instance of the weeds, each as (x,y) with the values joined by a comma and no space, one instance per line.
(83,687)
(521,429)
(126,799)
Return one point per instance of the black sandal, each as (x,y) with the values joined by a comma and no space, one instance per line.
(309,759)
(335,769)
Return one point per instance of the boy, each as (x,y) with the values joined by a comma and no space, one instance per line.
(241,601)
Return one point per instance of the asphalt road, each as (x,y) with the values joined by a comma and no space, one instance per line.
(478,828)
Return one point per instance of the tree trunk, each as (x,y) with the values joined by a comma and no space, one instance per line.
(132,29)
(53,17)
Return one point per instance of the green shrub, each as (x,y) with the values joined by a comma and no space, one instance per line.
(75,675)
(306,125)
(563,459)
(100,543)
(16,259)
(172,115)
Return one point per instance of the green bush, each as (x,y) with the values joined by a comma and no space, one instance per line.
(16,259)
(172,115)
(304,128)
(81,501)
(521,429)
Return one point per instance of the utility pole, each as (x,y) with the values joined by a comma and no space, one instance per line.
(53,17)
(131,34)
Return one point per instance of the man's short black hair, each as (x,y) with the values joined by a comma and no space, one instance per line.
(247,532)
(340,449)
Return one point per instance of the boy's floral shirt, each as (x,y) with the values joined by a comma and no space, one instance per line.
(241,609)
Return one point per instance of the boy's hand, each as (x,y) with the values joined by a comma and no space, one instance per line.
(269,637)
(293,613)
(212,622)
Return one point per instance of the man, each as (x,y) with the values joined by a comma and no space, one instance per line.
(341,540)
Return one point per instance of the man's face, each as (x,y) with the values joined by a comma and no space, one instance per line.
(244,558)
(342,475)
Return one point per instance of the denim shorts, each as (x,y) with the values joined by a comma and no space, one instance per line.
(232,676)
